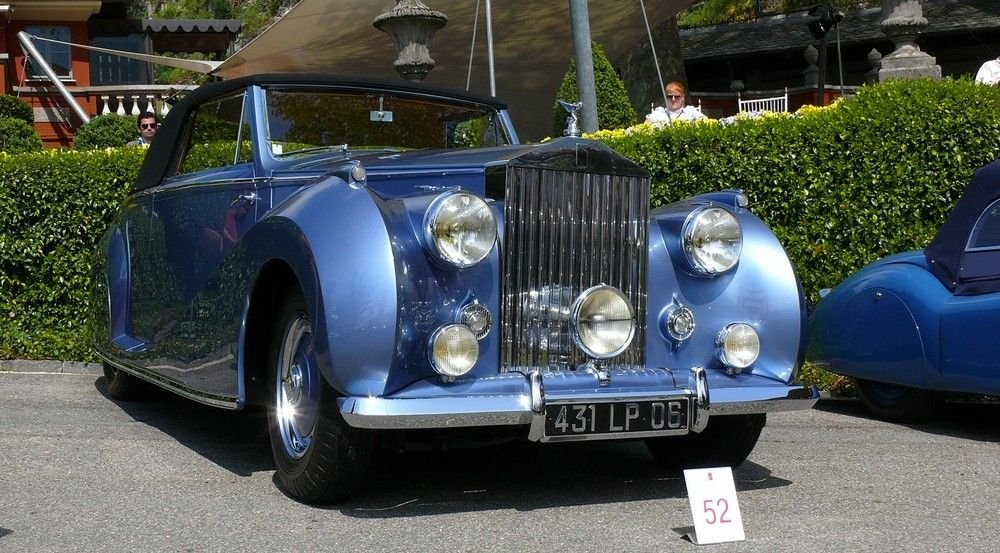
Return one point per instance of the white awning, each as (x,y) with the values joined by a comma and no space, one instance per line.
(532,46)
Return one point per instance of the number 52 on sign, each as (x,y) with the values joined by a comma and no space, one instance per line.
(716,512)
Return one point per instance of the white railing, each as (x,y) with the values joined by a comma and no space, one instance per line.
(774,103)
(136,100)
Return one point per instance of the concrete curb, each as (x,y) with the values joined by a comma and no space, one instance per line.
(50,366)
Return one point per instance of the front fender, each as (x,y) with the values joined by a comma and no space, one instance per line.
(761,290)
(334,239)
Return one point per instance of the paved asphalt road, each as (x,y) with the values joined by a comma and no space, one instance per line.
(80,472)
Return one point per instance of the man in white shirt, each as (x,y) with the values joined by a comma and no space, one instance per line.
(989,72)
(676,109)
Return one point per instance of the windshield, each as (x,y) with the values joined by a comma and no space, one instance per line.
(303,121)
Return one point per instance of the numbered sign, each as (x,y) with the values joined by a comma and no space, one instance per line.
(716,513)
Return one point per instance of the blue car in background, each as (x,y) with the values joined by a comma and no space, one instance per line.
(362,260)
(916,324)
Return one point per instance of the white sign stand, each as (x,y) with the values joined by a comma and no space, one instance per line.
(714,508)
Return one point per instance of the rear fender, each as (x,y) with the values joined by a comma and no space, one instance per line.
(881,324)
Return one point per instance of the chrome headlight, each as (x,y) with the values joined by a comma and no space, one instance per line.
(454,350)
(603,322)
(713,240)
(738,345)
(461,228)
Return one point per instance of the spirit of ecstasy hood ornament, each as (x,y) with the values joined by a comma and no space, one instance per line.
(572,128)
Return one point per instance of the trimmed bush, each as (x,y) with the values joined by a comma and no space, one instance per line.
(14,107)
(17,136)
(840,186)
(106,131)
(54,207)
(614,109)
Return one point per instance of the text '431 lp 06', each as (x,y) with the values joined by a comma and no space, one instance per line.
(359,257)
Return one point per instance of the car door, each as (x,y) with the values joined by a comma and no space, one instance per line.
(970,340)
(184,252)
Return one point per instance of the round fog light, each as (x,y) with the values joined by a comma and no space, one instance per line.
(739,346)
(603,322)
(454,350)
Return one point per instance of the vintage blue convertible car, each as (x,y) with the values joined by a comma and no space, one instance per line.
(918,323)
(359,257)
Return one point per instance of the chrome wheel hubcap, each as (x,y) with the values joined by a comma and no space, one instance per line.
(297,389)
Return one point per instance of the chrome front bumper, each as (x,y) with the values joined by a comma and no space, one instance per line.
(517,399)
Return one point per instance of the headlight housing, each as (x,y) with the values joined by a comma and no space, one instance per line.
(461,228)
(739,346)
(712,240)
(603,322)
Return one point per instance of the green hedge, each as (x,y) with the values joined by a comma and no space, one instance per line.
(54,207)
(840,186)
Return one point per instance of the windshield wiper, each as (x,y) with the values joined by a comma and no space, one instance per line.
(328,147)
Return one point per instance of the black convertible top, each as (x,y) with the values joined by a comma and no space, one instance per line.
(163,148)
(946,254)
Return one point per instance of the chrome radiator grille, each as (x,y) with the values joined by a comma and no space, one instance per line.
(565,232)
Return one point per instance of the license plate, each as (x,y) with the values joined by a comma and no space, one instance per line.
(621,417)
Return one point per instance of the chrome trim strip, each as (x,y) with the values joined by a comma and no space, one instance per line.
(213,400)
(769,399)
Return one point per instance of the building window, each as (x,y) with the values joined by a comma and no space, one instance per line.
(109,69)
(56,55)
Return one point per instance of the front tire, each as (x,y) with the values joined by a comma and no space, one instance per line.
(319,457)
(123,386)
(896,403)
(726,442)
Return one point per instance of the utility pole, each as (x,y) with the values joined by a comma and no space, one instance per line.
(580,21)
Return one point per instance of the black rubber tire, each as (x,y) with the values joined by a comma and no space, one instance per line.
(726,442)
(896,403)
(337,457)
(123,386)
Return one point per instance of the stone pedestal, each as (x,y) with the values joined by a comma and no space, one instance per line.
(903,21)
(411,24)
(810,75)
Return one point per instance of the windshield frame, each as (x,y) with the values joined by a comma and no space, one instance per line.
(499,120)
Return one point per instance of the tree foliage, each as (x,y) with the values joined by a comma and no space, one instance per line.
(17,136)
(16,108)
(717,12)
(106,131)
(614,109)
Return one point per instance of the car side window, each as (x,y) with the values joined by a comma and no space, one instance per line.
(986,233)
(219,135)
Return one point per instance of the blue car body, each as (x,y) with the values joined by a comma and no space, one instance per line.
(190,272)
(923,319)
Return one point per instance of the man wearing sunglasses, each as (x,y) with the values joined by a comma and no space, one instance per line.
(146,124)
(676,109)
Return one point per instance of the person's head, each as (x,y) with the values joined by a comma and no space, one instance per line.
(676,94)
(146,124)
